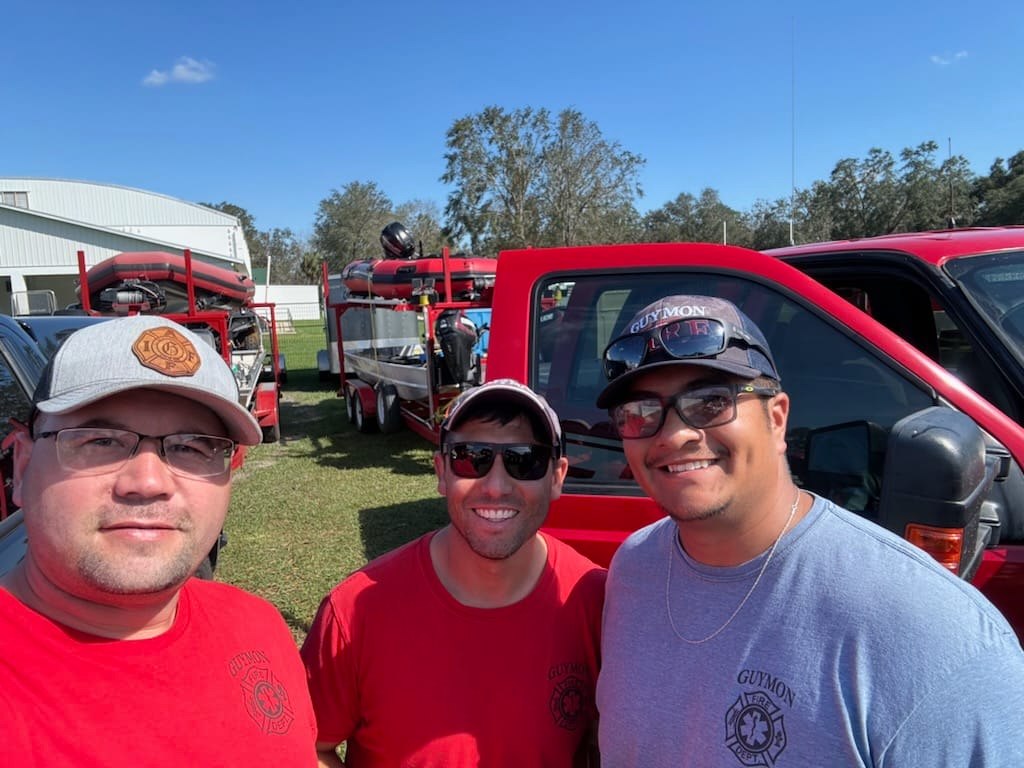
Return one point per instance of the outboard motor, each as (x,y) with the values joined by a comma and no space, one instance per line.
(456,334)
(132,296)
(397,242)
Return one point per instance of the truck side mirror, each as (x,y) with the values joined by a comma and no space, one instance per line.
(844,464)
(936,478)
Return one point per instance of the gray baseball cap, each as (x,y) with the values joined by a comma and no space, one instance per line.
(504,391)
(703,331)
(143,352)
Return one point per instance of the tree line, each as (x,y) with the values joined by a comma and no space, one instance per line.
(527,177)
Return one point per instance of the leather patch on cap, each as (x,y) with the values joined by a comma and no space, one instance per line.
(167,351)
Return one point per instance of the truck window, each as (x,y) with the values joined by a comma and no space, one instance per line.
(14,403)
(918,315)
(829,376)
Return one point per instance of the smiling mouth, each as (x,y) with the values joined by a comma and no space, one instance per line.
(687,466)
(495,515)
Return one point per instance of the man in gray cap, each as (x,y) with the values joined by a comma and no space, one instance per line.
(110,652)
(759,624)
(477,644)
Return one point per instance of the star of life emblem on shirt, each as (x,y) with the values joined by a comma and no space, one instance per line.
(568,703)
(266,701)
(754,729)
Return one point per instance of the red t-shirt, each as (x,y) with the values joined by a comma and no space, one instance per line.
(223,687)
(408,676)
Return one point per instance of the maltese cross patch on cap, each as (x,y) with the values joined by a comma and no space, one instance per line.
(167,351)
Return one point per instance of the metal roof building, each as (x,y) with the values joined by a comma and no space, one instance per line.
(45,222)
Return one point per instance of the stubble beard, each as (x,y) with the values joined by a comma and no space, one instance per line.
(143,567)
(491,549)
(687,516)
(138,575)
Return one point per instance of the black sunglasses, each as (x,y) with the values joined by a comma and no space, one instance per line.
(680,339)
(523,461)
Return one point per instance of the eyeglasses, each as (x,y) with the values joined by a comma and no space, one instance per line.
(96,451)
(681,339)
(700,408)
(523,461)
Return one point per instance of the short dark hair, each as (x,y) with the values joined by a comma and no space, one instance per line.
(502,413)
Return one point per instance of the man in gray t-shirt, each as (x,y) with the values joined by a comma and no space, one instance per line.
(761,625)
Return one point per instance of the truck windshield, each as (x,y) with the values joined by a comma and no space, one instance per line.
(994,283)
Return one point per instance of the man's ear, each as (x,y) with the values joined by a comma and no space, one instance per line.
(558,473)
(778,418)
(439,471)
(21,442)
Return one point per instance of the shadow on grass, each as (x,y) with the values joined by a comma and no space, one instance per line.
(297,624)
(384,528)
(336,443)
(308,380)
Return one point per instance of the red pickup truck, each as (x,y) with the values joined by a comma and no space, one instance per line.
(859,392)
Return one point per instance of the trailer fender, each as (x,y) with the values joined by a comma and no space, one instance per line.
(361,401)
(265,409)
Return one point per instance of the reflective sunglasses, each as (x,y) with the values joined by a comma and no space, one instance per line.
(523,461)
(700,408)
(680,339)
(97,451)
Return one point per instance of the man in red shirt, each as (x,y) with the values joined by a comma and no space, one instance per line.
(110,652)
(478,644)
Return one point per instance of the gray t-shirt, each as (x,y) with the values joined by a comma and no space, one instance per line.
(855,649)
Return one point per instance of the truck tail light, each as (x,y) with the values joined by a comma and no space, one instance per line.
(944,544)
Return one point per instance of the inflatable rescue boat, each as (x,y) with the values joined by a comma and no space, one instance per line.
(398,278)
(156,282)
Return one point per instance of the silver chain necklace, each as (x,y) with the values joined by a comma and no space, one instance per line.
(764,567)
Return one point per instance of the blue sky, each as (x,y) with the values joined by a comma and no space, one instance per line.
(272,106)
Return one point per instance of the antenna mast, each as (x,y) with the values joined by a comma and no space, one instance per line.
(951,222)
(792,124)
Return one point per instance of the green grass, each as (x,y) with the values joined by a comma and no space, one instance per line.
(314,507)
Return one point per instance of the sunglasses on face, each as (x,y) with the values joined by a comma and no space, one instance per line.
(522,461)
(680,339)
(700,408)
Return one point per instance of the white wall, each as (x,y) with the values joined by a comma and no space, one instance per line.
(302,301)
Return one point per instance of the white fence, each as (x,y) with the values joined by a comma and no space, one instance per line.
(292,302)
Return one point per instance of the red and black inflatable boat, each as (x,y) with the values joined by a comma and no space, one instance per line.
(155,281)
(471,277)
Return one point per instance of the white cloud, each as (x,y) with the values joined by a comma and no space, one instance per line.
(945,60)
(185,70)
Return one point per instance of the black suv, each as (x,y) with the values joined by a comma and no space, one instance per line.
(21,365)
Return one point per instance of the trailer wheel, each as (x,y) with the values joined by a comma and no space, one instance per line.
(363,424)
(272,433)
(389,411)
(350,404)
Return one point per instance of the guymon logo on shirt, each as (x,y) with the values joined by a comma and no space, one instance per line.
(571,702)
(266,700)
(755,728)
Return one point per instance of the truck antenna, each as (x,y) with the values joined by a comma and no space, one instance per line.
(792,124)
(951,221)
